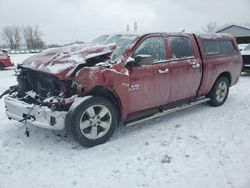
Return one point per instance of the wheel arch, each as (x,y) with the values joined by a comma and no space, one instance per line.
(225,74)
(113,97)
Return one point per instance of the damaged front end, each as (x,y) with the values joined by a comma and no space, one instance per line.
(46,88)
(31,114)
(40,99)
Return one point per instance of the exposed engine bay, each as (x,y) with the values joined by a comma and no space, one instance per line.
(47,90)
(43,84)
(43,90)
(48,79)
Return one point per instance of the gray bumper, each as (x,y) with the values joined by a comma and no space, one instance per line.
(41,116)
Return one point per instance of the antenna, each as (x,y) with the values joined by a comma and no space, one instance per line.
(127,28)
(74,35)
(135,26)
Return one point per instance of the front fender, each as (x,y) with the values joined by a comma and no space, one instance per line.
(89,77)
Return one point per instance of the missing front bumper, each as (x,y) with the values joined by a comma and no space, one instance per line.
(39,116)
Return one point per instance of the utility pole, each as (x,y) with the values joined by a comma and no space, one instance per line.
(127,28)
(135,26)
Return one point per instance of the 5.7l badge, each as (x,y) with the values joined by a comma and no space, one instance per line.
(133,87)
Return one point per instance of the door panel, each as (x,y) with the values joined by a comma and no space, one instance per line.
(185,79)
(152,87)
(185,67)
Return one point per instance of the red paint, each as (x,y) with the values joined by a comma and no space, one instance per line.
(5,60)
(183,81)
(154,89)
(61,61)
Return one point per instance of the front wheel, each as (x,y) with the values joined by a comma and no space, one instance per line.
(219,92)
(94,121)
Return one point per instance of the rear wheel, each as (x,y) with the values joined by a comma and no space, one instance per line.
(94,121)
(1,66)
(219,92)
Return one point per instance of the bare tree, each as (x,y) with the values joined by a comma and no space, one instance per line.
(32,36)
(12,36)
(8,36)
(28,36)
(210,27)
(17,37)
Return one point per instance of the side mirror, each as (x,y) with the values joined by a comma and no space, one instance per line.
(144,60)
(139,60)
(130,63)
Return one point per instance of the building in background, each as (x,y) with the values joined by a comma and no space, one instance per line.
(242,34)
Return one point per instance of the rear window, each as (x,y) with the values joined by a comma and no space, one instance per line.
(216,47)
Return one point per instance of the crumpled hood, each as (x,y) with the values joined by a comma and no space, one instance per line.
(60,61)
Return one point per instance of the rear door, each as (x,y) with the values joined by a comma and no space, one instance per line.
(185,67)
(149,84)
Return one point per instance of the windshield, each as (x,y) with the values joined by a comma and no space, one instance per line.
(101,39)
(122,42)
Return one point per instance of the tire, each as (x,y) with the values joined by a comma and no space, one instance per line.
(1,66)
(94,121)
(219,92)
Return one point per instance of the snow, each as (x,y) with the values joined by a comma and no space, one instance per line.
(198,147)
(106,51)
(19,58)
(56,68)
(57,60)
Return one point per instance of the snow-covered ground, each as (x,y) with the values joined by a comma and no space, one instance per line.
(19,58)
(203,147)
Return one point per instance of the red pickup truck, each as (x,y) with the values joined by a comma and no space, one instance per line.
(88,89)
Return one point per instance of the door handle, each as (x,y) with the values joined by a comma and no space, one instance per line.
(163,71)
(195,65)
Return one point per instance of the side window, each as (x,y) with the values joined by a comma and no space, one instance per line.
(227,47)
(212,47)
(216,47)
(153,46)
(180,47)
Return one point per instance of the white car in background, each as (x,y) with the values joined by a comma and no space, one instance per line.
(245,52)
(242,46)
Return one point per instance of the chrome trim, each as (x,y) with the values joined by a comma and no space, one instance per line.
(166,71)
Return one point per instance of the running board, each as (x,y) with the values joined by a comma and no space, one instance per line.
(159,114)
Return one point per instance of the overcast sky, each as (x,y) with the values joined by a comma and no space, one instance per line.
(64,21)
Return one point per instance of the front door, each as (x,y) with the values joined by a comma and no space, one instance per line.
(149,84)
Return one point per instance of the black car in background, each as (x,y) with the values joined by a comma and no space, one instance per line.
(245,52)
